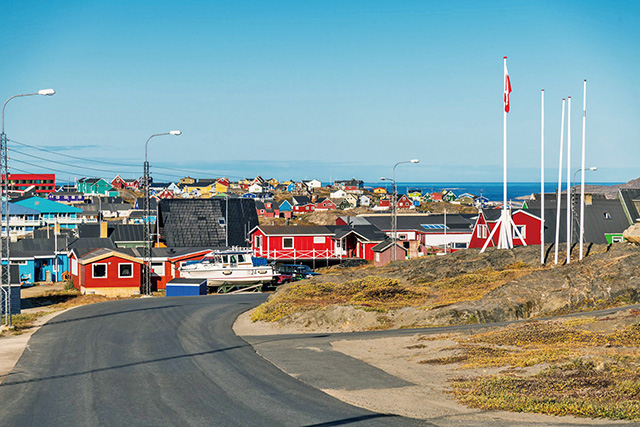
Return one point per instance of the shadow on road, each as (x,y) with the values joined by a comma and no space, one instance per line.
(95,316)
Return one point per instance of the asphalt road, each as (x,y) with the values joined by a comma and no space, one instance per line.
(163,362)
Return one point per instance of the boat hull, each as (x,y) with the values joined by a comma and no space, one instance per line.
(225,276)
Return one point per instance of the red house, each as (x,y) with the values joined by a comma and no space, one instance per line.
(384,204)
(528,226)
(383,252)
(165,194)
(106,272)
(293,242)
(404,203)
(120,183)
(165,263)
(325,205)
(436,197)
(43,182)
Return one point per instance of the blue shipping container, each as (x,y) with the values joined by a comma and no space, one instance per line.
(186,287)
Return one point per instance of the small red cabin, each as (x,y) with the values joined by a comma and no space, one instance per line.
(106,272)
(528,226)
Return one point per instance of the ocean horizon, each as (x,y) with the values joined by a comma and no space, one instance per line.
(491,190)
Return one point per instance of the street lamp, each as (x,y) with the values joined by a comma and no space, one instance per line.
(147,222)
(394,208)
(573,210)
(4,171)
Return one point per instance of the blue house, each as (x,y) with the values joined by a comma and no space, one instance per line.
(39,260)
(285,206)
(52,212)
(22,220)
(66,196)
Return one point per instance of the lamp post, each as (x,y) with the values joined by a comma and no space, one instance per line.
(6,275)
(573,210)
(146,289)
(394,208)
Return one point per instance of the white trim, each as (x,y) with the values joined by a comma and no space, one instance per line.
(120,276)
(93,272)
(292,243)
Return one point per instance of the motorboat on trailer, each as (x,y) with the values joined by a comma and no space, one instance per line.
(229,268)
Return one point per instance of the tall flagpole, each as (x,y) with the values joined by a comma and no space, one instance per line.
(569,180)
(542,179)
(504,240)
(584,120)
(559,195)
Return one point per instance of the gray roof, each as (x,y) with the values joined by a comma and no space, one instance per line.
(196,222)
(370,233)
(115,231)
(27,248)
(384,245)
(287,230)
(455,222)
(628,196)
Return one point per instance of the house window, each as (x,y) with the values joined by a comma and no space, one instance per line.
(158,268)
(287,242)
(258,241)
(74,267)
(99,271)
(318,240)
(125,270)
(522,230)
(459,245)
(402,237)
(377,256)
(482,231)
(616,239)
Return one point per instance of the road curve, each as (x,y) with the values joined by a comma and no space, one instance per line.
(162,362)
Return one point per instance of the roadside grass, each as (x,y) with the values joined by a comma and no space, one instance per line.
(582,373)
(380,294)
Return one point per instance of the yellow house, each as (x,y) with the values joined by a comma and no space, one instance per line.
(273,182)
(187,180)
(203,188)
(222,185)
(379,190)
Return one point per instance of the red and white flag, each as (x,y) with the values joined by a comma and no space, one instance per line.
(507,86)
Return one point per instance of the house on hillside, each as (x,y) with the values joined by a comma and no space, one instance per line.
(324,204)
(96,186)
(286,210)
(51,212)
(302,204)
(383,252)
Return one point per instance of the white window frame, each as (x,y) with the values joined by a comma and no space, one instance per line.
(74,267)
(523,231)
(318,240)
(285,240)
(259,242)
(93,270)
(617,239)
(120,276)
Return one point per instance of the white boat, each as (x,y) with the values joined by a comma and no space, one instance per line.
(228,268)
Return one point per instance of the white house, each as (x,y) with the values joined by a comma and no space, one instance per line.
(338,194)
(314,183)
(365,200)
(257,188)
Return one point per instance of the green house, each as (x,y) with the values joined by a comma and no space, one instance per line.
(96,186)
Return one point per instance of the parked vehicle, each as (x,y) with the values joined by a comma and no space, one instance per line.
(293,272)
(229,267)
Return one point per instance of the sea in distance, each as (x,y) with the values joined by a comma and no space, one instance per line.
(491,190)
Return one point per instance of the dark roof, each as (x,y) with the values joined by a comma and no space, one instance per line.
(116,232)
(455,222)
(384,245)
(367,232)
(287,230)
(196,222)
(174,252)
(301,200)
(627,197)
(45,247)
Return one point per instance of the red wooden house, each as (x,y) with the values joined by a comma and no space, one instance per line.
(165,194)
(292,243)
(527,224)
(325,205)
(384,204)
(267,209)
(404,203)
(165,263)
(106,272)
(120,183)
(436,197)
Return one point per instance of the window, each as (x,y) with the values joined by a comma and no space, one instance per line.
(287,242)
(616,239)
(377,256)
(606,215)
(482,231)
(522,229)
(125,270)
(318,240)
(459,245)
(158,268)
(99,271)
(402,237)
(258,241)
(74,267)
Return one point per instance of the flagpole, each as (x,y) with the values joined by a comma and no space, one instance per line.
(504,239)
(559,195)
(542,178)
(569,180)
(584,120)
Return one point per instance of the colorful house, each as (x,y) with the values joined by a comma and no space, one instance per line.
(22,220)
(96,186)
(379,190)
(203,188)
(43,183)
(383,252)
(448,196)
(222,185)
(325,205)
(52,213)
(106,272)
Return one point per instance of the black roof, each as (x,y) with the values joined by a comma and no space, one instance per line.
(455,222)
(115,231)
(198,222)
(367,232)
(628,196)
(45,247)
(301,200)
(382,246)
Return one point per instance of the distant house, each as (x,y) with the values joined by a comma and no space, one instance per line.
(203,188)
(267,209)
(383,252)
(22,220)
(41,183)
(427,198)
(121,183)
(405,203)
(338,194)
(436,197)
(312,184)
(52,213)
(383,205)
(325,205)
(350,185)
(302,204)
(448,196)
(222,185)
(364,200)
(286,210)
(96,186)
(379,190)
(68,197)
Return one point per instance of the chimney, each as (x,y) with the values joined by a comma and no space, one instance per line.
(103,230)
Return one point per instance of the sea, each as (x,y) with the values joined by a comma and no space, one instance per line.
(491,190)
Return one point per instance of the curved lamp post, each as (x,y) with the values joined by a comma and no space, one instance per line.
(146,288)
(6,276)
(394,208)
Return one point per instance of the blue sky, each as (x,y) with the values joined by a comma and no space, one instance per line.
(318,89)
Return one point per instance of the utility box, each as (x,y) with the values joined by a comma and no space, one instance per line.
(15,299)
(182,287)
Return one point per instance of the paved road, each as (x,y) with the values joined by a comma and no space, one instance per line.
(162,361)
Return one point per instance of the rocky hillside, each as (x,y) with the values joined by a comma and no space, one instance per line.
(608,276)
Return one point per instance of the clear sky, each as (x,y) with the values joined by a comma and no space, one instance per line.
(318,89)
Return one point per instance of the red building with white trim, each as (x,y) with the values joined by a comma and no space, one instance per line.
(43,182)
(106,272)
(527,223)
